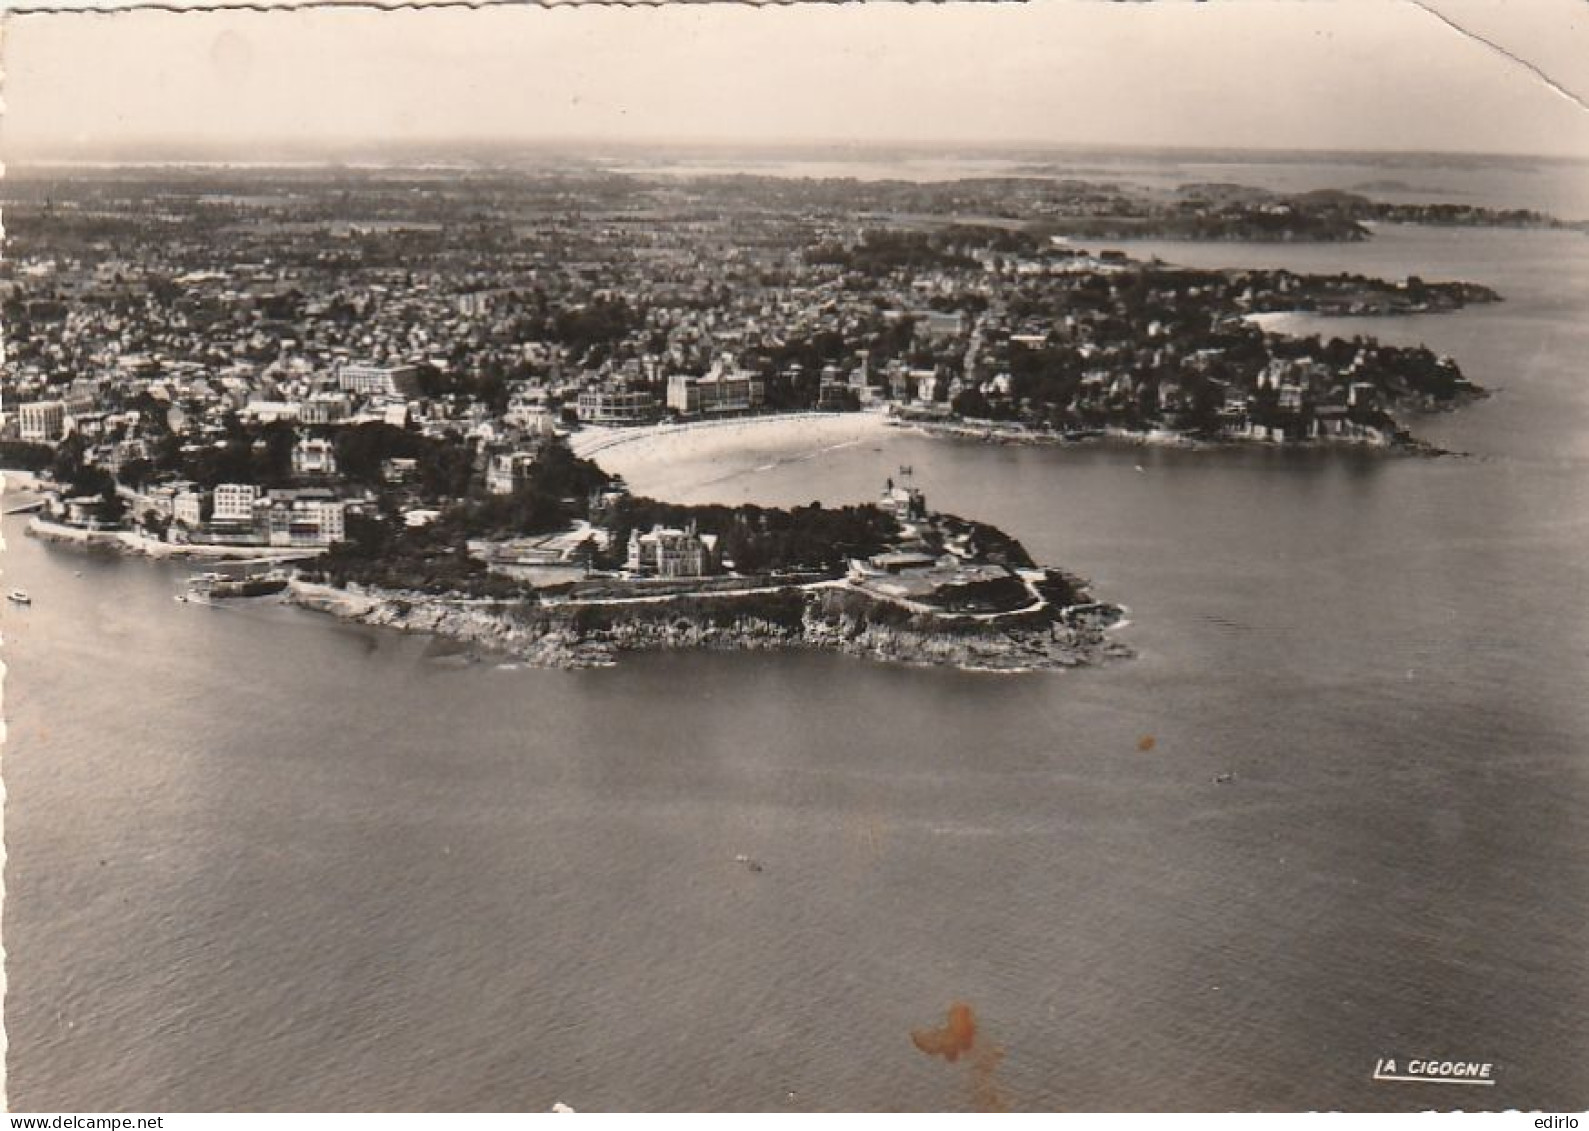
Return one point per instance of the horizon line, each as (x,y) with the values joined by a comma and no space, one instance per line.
(170,151)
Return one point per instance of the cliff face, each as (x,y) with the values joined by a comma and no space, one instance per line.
(1036,647)
(493,627)
(550,638)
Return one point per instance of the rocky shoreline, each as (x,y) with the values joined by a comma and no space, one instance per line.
(1003,433)
(555,637)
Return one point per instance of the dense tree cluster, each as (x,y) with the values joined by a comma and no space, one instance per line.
(884,251)
(556,493)
(26,456)
(488,385)
(767,539)
(446,465)
(82,480)
(382,552)
(598,323)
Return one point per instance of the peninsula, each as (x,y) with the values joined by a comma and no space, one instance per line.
(556,582)
(400,374)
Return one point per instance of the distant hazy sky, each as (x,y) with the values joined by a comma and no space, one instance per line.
(1288,74)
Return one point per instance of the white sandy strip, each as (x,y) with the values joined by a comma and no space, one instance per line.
(1275,321)
(15,480)
(672,461)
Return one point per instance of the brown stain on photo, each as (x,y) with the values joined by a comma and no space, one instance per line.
(1146,742)
(957,1037)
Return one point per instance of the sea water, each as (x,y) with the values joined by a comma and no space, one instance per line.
(258,858)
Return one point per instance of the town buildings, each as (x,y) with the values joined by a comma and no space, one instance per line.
(304,518)
(617,405)
(42,421)
(204,357)
(725,389)
(379,380)
(234,502)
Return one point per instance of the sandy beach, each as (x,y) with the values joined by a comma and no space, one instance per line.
(1276,321)
(675,461)
(14,479)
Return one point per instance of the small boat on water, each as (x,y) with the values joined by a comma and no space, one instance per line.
(19,597)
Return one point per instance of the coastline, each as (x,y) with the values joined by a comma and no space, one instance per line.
(814,617)
(830,615)
(132,543)
(1001,432)
(671,459)
(667,460)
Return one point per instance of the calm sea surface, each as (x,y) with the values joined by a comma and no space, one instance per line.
(260,859)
